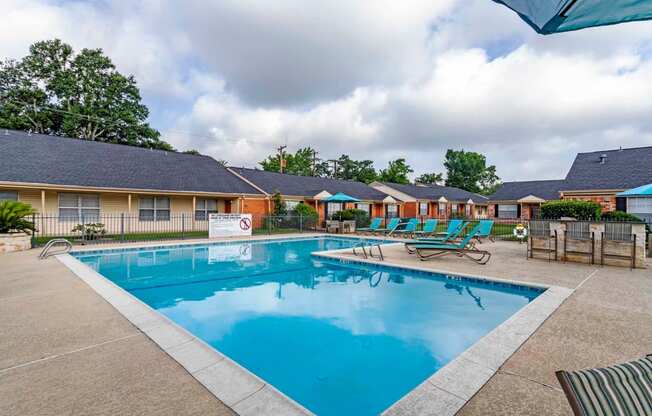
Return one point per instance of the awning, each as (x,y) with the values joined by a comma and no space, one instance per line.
(340,197)
(645,190)
(553,16)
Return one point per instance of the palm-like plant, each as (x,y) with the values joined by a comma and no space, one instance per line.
(12,217)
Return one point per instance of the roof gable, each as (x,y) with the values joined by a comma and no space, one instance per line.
(435,192)
(611,169)
(515,191)
(38,158)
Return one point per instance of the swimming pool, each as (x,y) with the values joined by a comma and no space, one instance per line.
(339,338)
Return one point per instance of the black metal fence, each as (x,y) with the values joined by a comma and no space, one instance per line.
(125,227)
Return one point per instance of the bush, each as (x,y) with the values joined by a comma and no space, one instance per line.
(90,231)
(620,216)
(581,210)
(12,217)
(360,217)
(309,214)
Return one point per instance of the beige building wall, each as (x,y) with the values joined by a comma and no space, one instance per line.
(112,205)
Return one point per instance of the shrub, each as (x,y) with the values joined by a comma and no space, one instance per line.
(308,214)
(12,217)
(620,216)
(90,231)
(360,217)
(305,210)
(581,210)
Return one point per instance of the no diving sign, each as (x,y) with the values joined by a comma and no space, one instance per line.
(229,225)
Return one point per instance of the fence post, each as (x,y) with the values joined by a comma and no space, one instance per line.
(301,223)
(649,245)
(122,226)
(269,225)
(83,224)
(34,231)
(183,226)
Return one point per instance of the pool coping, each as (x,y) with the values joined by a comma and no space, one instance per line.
(447,390)
(443,393)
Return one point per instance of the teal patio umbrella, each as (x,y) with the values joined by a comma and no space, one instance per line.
(341,197)
(645,190)
(553,16)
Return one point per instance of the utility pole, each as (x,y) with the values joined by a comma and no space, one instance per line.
(334,172)
(314,161)
(281,160)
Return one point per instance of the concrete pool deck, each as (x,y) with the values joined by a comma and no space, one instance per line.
(64,350)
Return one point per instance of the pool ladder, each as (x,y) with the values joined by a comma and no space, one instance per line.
(45,253)
(368,247)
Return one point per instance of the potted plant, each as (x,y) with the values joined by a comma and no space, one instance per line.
(15,229)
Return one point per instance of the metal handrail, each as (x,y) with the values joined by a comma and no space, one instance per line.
(45,253)
(370,247)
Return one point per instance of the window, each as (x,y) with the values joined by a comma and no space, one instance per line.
(82,208)
(203,207)
(467,210)
(8,196)
(364,207)
(291,205)
(333,207)
(442,209)
(507,211)
(392,211)
(639,205)
(154,209)
(423,208)
(454,208)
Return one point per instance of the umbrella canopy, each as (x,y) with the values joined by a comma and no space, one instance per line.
(340,197)
(553,16)
(645,190)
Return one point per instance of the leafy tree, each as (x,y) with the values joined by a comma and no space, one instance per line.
(469,171)
(191,152)
(430,179)
(279,205)
(303,163)
(397,172)
(55,91)
(355,170)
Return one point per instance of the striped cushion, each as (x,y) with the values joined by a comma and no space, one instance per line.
(623,389)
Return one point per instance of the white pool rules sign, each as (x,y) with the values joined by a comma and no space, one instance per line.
(229,225)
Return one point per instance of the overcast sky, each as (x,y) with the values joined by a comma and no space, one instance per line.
(376,79)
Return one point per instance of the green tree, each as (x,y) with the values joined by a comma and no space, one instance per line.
(191,152)
(55,91)
(279,205)
(469,171)
(303,163)
(430,179)
(397,172)
(355,170)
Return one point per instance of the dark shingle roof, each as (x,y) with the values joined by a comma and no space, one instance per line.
(622,169)
(308,186)
(513,191)
(434,192)
(37,158)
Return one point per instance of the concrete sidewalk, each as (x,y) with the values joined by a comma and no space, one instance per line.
(65,351)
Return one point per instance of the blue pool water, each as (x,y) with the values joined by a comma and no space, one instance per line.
(341,339)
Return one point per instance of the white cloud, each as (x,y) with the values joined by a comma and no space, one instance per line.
(376,80)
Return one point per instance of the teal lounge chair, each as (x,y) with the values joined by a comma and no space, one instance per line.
(409,229)
(453,226)
(485,230)
(391,226)
(375,224)
(429,228)
(464,248)
(454,235)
